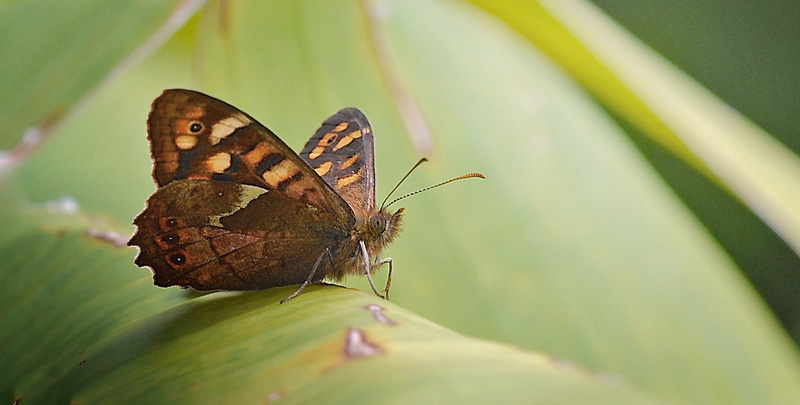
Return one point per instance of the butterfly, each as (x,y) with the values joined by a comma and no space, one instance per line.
(237,209)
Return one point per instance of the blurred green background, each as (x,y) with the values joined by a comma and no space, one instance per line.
(612,230)
(747,53)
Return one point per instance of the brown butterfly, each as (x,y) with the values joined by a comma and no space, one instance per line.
(237,209)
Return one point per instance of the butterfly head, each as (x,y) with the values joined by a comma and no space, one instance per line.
(379,228)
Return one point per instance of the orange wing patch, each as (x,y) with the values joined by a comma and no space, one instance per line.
(280,172)
(187,131)
(195,112)
(219,162)
(347,139)
(348,180)
(349,162)
(317,152)
(223,128)
(184,142)
(326,140)
(341,127)
(258,153)
(324,168)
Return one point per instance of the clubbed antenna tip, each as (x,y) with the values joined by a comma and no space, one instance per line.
(466,176)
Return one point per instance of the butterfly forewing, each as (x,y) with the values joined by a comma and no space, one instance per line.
(195,136)
(342,152)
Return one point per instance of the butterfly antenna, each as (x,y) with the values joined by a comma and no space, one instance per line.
(421,161)
(466,176)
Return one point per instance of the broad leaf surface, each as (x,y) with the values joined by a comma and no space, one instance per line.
(573,246)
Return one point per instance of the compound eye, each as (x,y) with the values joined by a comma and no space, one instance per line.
(378,223)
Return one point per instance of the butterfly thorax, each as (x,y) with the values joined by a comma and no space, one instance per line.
(377,230)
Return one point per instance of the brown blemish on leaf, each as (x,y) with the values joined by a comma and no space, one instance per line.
(32,138)
(64,205)
(357,346)
(113,238)
(563,364)
(572,367)
(377,313)
(274,396)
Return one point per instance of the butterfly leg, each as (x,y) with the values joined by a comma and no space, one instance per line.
(389,278)
(368,268)
(310,277)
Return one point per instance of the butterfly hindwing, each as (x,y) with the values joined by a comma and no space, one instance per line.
(202,234)
(342,152)
(195,136)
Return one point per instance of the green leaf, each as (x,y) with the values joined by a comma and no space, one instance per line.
(573,246)
(54,53)
(82,325)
